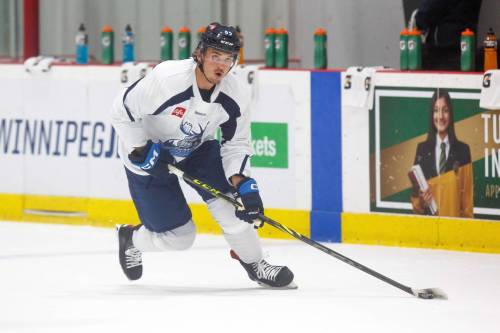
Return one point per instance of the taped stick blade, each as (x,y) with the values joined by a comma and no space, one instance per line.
(430,293)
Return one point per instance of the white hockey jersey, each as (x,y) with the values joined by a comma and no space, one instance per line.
(166,106)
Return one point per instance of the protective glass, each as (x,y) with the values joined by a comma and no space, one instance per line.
(222,60)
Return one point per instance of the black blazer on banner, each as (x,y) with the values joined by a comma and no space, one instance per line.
(458,156)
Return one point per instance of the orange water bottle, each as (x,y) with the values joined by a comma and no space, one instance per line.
(490,51)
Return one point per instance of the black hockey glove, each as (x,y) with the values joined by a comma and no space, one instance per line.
(248,192)
(153,159)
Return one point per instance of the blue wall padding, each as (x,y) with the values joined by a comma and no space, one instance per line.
(326,156)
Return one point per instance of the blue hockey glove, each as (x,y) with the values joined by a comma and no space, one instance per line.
(248,192)
(153,159)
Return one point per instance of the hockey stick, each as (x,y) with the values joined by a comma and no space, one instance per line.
(428,293)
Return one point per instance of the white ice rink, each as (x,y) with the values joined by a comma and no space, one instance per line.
(56,278)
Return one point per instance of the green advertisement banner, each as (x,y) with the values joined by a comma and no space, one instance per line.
(434,152)
(270,145)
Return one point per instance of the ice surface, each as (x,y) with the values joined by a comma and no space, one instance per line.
(56,278)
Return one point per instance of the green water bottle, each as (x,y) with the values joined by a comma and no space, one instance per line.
(403,49)
(414,50)
(320,58)
(281,48)
(166,44)
(107,45)
(467,51)
(269,41)
(184,43)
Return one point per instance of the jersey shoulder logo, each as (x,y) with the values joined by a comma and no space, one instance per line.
(178,112)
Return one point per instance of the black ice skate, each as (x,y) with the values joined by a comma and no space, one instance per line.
(130,256)
(268,275)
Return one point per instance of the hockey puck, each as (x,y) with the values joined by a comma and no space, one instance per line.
(426,295)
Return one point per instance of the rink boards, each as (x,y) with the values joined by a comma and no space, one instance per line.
(313,157)
(60,162)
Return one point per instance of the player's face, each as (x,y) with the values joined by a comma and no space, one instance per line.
(217,64)
(441,116)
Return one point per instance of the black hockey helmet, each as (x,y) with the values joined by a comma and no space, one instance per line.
(220,37)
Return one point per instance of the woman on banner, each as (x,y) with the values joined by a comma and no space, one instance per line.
(446,165)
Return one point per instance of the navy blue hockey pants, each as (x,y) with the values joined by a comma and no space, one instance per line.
(160,203)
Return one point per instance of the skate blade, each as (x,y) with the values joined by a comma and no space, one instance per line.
(291,286)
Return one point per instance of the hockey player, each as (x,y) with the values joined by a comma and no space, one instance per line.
(171,116)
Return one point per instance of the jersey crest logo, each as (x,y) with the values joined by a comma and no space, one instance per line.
(178,112)
(191,140)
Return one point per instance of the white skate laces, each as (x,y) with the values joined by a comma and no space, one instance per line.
(263,270)
(133,257)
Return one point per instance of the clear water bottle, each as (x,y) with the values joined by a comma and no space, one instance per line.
(82,46)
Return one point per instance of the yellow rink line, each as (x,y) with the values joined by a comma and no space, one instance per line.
(109,212)
(420,231)
(360,228)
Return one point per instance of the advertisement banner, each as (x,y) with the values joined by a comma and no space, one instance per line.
(270,145)
(434,151)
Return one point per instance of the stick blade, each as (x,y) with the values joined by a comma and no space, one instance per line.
(430,293)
